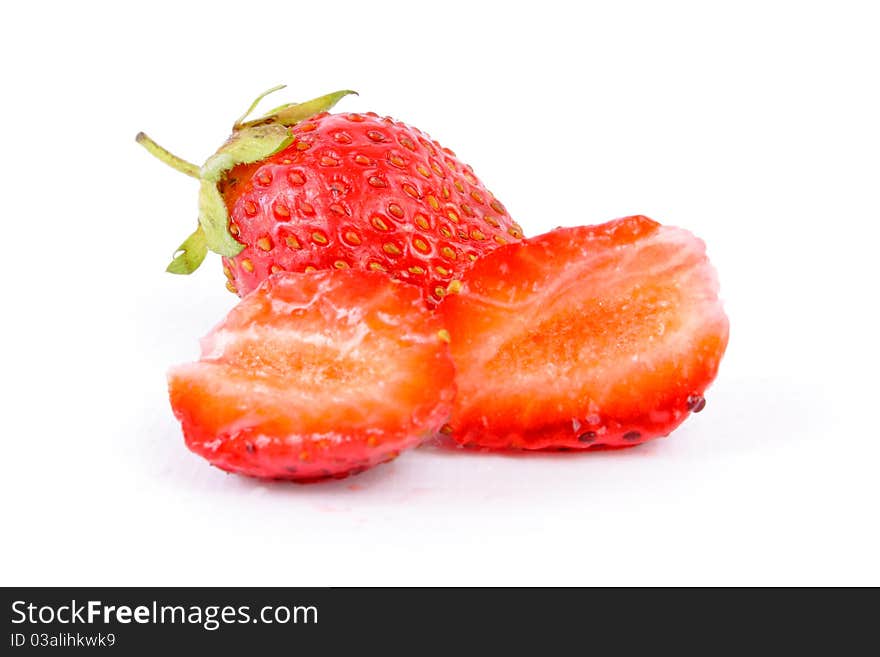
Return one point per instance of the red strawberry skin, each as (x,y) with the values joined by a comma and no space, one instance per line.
(316,375)
(598,336)
(359,191)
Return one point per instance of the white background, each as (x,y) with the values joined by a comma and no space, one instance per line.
(754,124)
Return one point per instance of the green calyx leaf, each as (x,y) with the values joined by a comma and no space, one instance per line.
(251,141)
(254,104)
(292,113)
(245,146)
(214,221)
(190,254)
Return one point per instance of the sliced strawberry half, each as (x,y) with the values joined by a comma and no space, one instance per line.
(583,337)
(316,375)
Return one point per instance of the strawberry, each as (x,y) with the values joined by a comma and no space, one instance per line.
(300,189)
(316,375)
(583,337)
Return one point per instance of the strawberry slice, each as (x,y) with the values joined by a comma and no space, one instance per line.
(316,375)
(585,337)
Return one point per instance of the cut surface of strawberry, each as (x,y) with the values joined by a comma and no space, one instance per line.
(596,336)
(316,375)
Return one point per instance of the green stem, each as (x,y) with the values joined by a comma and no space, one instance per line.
(167,157)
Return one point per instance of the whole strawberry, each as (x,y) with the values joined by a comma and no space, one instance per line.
(302,190)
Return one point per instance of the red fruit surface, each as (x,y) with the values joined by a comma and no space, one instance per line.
(583,337)
(316,375)
(359,191)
